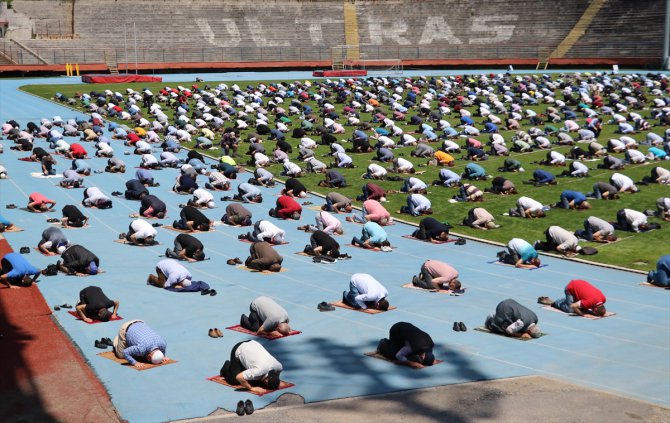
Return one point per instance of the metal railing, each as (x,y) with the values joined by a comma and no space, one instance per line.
(170,54)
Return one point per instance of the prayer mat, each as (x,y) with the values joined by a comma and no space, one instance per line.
(239,328)
(111,356)
(431,242)
(76,316)
(483,329)
(375,354)
(367,310)
(586,316)
(220,380)
(500,263)
(265,272)
(410,285)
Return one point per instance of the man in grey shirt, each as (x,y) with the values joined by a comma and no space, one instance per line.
(597,230)
(266,317)
(559,239)
(53,241)
(336,203)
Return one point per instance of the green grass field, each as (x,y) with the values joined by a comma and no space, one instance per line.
(633,250)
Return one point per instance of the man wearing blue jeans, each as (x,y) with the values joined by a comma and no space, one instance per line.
(573,200)
(660,276)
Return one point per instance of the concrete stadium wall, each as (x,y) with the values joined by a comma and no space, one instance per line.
(222,31)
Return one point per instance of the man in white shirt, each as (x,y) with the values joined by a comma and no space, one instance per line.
(140,232)
(527,207)
(631,220)
(623,183)
(202,199)
(365,292)
(376,171)
(264,230)
(252,367)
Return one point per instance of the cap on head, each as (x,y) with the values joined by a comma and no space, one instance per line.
(93,268)
(211,204)
(534,331)
(383,221)
(157,357)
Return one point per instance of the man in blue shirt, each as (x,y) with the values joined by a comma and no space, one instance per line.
(573,200)
(136,340)
(520,254)
(660,276)
(542,177)
(373,236)
(474,171)
(16,271)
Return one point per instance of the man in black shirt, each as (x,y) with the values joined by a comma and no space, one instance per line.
(294,188)
(94,304)
(322,244)
(77,260)
(430,229)
(192,220)
(186,247)
(135,189)
(73,217)
(152,206)
(185,183)
(408,345)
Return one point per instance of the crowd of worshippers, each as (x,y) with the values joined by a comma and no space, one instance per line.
(385,114)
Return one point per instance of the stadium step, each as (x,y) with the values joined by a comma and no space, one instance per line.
(351,36)
(579,29)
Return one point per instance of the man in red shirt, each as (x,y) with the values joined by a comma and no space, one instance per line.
(580,298)
(287,208)
(77,151)
(372,192)
(38,203)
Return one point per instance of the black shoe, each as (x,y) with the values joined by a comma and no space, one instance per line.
(324,306)
(101,345)
(240,408)
(205,291)
(57,308)
(248,407)
(25,250)
(107,341)
(415,280)
(457,327)
(462,327)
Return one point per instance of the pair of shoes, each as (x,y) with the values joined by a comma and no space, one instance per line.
(460,241)
(11,206)
(242,236)
(544,300)
(53,220)
(215,333)
(226,198)
(57,308)
(460,327)
(205,291)
(107,341)
(117,193)
(101,345)
(324,306)
(237,260)
(307,203)
(24,250)
(244,407)
(231,262)
(66,306)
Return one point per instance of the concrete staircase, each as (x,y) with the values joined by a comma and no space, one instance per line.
(351,30)
(112,65)
(579,29)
